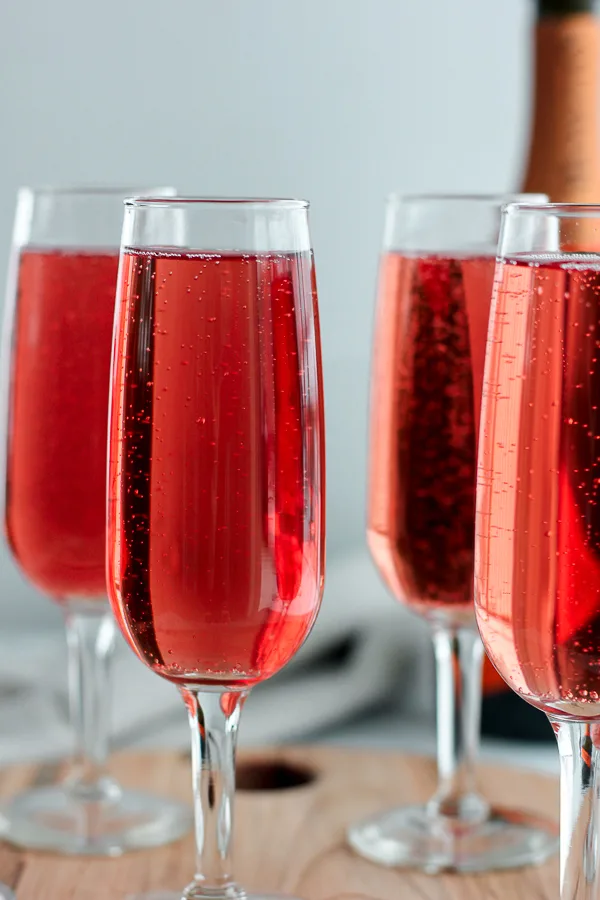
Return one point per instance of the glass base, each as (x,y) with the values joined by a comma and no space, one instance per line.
(181,895)
(413,838)
(57,819)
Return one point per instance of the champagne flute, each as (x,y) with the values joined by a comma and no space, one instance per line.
(57,347)
(435,288)
(537,588)
(216,479)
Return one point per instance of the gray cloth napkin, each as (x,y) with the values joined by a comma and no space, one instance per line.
(363,648)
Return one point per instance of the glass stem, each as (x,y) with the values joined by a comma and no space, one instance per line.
(214,718)
(579,811)
(459,659)
(90,642)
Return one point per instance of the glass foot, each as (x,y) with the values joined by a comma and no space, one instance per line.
(58,819)
(181,895)
(412,838)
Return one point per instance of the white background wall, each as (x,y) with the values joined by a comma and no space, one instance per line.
(339,101)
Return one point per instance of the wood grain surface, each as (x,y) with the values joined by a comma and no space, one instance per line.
(288,839)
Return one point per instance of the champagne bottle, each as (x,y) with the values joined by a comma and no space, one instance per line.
(564,152)
(563,162)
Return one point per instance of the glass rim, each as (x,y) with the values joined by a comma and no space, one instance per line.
(561,210)
(282,203)
(504,198)
(86,190)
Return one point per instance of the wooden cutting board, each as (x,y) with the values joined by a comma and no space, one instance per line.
(289,836)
